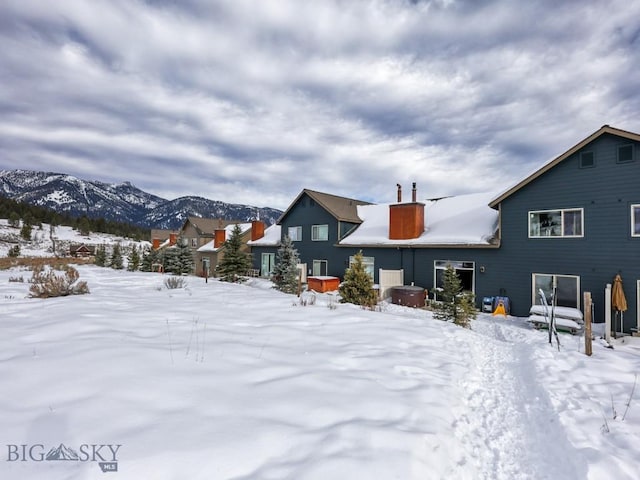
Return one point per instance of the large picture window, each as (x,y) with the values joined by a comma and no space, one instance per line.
(556,223)
(464,270)
(567,288)
(635,220)
(319,233)
(295,234)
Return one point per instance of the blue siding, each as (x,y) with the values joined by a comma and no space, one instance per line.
(605,192)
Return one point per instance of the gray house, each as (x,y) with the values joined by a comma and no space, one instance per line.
(575,221)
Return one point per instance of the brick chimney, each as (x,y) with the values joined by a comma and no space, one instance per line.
(219,237)
(257,229)
(156,243)
(406,220)
(173,238)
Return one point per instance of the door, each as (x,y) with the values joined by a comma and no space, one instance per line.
(320,268)
(266,267)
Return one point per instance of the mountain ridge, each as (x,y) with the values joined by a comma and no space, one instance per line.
(123,202)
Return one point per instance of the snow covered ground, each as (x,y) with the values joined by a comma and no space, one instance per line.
(42,246)
(223,381)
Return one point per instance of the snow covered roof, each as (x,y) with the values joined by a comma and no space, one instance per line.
(271,238)
(459,220)
(209,246)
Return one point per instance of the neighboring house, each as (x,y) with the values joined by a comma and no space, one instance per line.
(82,250)
(208,256)
(264,250)
(161,237)
(576,220)
(316,222)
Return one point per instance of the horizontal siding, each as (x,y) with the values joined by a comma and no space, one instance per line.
(605,192)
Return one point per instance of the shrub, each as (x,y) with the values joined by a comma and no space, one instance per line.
(357,287)
(14,251)
(174,282)
(19,279)
(46,283)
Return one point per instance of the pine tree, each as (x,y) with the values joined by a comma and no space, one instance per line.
(357,287)
(83,226)
(169,260)
(14,251)
(184,258)
(25,231)
(457,306)
(286,276)
(14,220)
(235,262)
(150,258)
(116,258)
(133,260)
(101,256)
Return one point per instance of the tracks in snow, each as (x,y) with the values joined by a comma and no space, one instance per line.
(508,427)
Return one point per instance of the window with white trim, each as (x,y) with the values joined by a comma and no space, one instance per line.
(556,223)
(464,270)
(319,233)
(368,263)
(194,242)
(567,289)
(295,234)
(320,267)
(635,220)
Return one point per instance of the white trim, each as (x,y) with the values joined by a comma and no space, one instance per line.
(314,232)
(453,263)
(298,229)
(634,205)
(534,293)
(562,212)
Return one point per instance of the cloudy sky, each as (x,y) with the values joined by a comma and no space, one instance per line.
(249,101)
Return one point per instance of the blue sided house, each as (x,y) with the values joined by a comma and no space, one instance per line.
(574,222)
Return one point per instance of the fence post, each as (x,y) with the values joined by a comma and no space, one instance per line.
(587,324)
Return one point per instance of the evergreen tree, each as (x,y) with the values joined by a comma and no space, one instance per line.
(169,260)
(285,271)
(25,231)
(184,257)
(101,256)
(150,257)
(14,219)
(14,251)
(83,226)
(235,262)
(457,306)
(357,287)
(116,258)
(133,261)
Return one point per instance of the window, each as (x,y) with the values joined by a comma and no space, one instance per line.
(320,267)
(319,233)
(635,220)
(295,234)
(368,264)
(194,242)
(625,153)
(567,289)
(556,223)
(464,270)
(587,160)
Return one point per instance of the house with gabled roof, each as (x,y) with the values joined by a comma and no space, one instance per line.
(575,222)
(315,222)
(206,237)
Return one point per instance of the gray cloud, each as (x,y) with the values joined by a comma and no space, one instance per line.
(250,102)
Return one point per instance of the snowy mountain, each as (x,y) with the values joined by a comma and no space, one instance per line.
(122,202)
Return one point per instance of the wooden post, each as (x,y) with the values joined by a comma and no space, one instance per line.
(587,323)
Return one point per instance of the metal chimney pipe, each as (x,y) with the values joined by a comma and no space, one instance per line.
(399,192)
(413,193)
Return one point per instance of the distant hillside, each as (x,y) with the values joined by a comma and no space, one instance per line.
(121,202)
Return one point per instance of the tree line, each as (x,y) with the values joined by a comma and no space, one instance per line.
(34,215)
